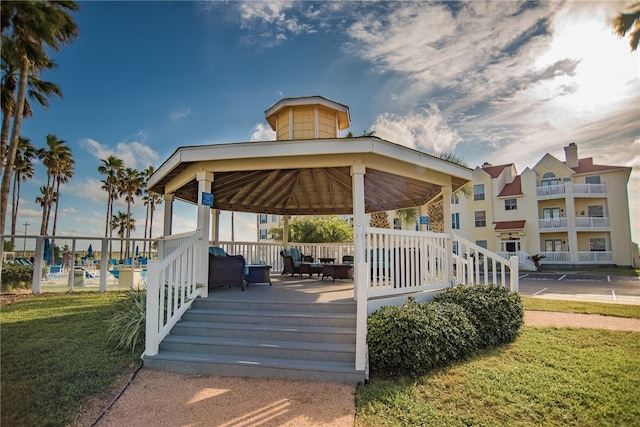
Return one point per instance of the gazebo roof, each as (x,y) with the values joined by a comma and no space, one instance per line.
(306,177)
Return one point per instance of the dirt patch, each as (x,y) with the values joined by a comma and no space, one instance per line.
(17,295)
(171,399)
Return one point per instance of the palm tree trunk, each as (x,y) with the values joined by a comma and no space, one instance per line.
(150,227)
(14,207)
(55,214)
(233,238)
(146,225)
(4,134)
(13,146)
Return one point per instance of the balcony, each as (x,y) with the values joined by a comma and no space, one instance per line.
(550,191)
(555,257)
(591,223)
(597,190)
(595,257)
(552,223)
(579,190)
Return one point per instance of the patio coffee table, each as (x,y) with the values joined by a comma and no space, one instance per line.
(310,268)
(258,273)
(337,271)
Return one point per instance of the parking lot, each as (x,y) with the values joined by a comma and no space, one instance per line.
(599,287)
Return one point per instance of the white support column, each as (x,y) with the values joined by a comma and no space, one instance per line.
(202,273)
(285,231)
(514,279)
(215,226)
(361,269)
(37,266)
(168,213)
(446,212)
(572,235)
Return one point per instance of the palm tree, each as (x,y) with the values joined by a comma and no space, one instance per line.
(407,215)
(113,168)
(119,223)
(146,200)
(34,27)
(154,200)
(62,173)
(629,22)
(379,220)
(47,197)
(53,159)
(23,171)
(38,90)
(131,186)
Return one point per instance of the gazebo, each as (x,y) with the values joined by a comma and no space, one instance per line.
(308,170)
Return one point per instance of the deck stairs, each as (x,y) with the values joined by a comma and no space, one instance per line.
(292,340)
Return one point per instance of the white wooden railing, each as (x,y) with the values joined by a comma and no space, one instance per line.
(552,223)
(523,259)
(171,288)
(474,265)
(406,261)
(592,222)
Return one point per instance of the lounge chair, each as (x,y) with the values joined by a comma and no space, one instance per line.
(291,259)
(225,269)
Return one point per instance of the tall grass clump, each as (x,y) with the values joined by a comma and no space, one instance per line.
(127,329)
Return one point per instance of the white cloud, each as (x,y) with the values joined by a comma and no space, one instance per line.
(427,130)
(180,114)
(134,154)
(262,132)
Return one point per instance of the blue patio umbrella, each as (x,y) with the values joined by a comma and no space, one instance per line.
(90,252)
(47,250)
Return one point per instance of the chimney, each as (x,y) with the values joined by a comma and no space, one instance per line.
(571,155)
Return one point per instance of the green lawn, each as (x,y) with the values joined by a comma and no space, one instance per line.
(547,377)
(55,354)
(606,309)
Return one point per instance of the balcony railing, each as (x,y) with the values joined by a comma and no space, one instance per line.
(595,257)
(550,191)
(589,189)
(553,191)
(552,223)
(592,222)
(555,257)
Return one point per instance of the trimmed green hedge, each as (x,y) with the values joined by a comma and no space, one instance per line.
(16,276)
(496,312)
(417,337)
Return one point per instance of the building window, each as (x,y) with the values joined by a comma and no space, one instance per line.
(553,245)
(510,204)
(550,213)
(597,244)
(549,179)
(274,218)
(455,248)
(263,218)
(397,224)
(592,179)
(263,234)
(455,221)
(478,192)
(482,243)
(480,218)
(454,199)
(595,211)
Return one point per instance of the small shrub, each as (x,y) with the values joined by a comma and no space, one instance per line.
(496,312)
(416,337)
(16,276)
(128,323)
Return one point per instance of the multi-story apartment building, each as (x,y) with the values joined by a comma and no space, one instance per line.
(574,212)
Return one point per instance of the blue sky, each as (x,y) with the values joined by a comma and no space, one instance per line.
(503,82)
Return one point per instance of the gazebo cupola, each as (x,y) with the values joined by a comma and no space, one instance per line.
(310,117)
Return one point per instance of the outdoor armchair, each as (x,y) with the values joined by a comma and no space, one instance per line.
(291,259)
(225,269)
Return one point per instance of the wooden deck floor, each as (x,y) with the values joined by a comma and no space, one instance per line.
(290,289)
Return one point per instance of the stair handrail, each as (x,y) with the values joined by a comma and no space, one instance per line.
(174,295)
